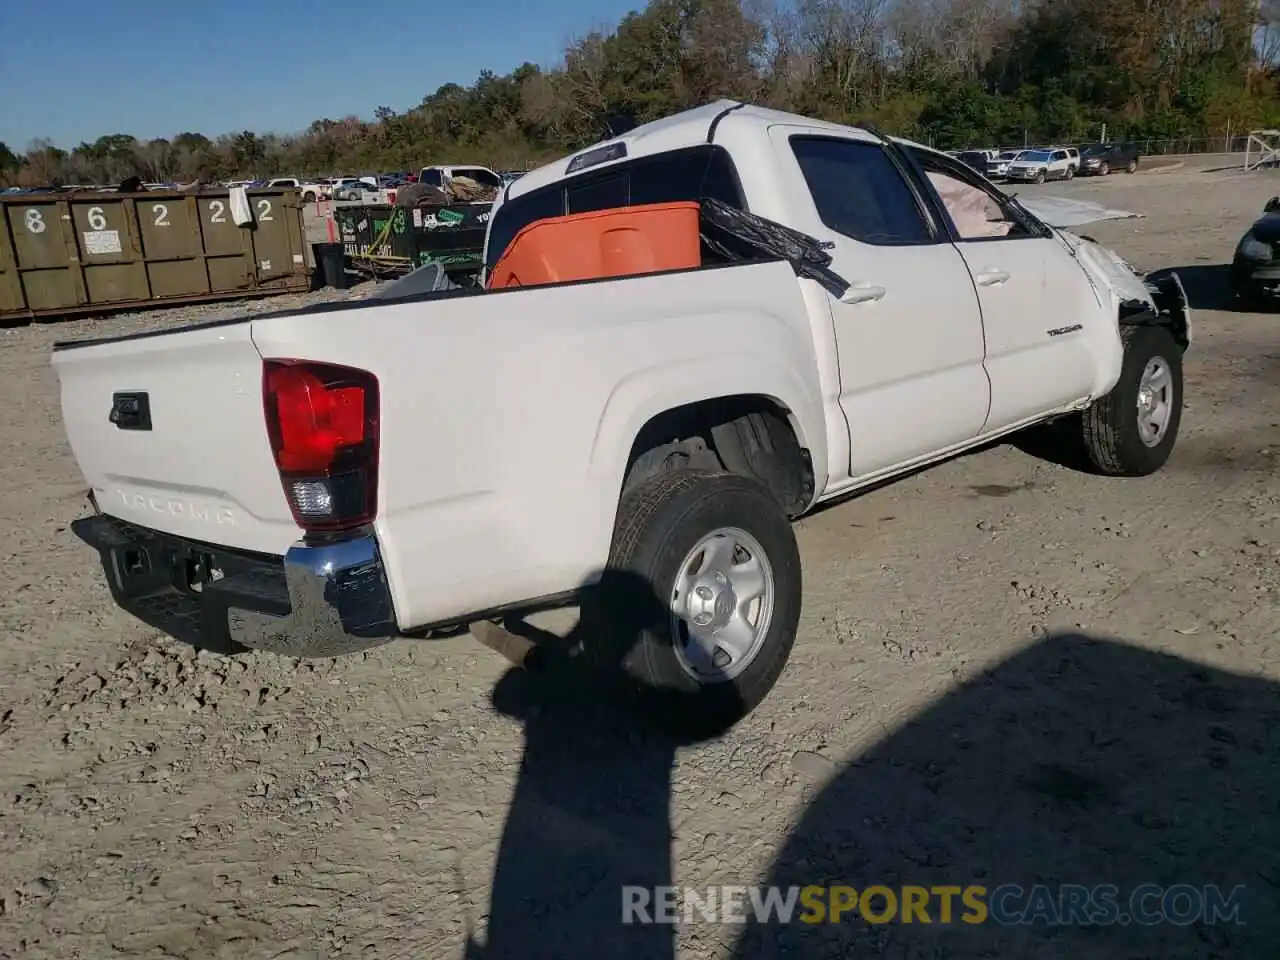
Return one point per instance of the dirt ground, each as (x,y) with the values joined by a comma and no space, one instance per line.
(1007,672)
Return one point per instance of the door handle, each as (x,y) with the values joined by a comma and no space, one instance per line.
(990,277)
(862,293)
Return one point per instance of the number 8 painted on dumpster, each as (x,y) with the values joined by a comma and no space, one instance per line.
(34,221)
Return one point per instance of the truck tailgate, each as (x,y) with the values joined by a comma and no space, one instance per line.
(169,432)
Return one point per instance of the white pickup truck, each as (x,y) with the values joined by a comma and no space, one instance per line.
(321,480)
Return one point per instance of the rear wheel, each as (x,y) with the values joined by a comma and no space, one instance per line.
(699,608)
(1131,431)
(1104,169)
(1071,172)
(1132,167)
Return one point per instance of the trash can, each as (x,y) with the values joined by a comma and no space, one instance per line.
(333,265)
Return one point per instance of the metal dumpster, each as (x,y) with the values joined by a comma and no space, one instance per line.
(399,238)
(68,253)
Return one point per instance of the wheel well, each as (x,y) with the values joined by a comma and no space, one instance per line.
(752,436)
(1168,313)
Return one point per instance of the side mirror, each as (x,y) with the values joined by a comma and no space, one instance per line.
(1272,205)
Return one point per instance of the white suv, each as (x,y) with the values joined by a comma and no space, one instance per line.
(1037,166)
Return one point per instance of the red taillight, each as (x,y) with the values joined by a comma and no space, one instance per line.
(322,420)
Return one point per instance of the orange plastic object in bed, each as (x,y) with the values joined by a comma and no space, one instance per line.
(602,243)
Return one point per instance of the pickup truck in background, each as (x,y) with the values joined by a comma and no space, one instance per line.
(322,480)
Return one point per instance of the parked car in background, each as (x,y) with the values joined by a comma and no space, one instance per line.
(998,166)
(352,188)
(1102,158)
(976,160)
(1255,268)
(1037,166)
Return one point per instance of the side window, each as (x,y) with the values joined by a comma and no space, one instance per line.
(431,178)
(977,210)
(1060,155)
(859,192)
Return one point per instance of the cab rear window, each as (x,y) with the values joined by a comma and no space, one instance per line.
(693,174)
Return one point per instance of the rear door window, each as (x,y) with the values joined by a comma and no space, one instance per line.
(859,192)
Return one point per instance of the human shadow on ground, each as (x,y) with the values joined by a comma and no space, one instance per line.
(591,809)
(1077,761)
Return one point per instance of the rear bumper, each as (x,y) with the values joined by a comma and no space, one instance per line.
(316,601)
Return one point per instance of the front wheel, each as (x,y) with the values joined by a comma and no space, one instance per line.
(1039,176)
(1131,431)
(1104,169)
(1132,167)
(701,602)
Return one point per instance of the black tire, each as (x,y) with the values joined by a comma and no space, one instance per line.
(1110,426)
(1039,176)
(1132,167)
(1104,169)
(1071,172)
(629,632)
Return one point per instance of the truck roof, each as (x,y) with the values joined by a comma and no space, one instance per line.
(676,132)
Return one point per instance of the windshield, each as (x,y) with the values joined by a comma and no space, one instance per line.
(1033,156)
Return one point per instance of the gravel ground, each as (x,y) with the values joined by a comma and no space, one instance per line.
(1007,672)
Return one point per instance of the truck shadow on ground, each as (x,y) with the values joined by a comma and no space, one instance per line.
(1076,761)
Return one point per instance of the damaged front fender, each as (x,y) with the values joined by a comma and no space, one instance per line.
(1158,298)
(1172,306)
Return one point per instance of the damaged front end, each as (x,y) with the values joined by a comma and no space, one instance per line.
(1153,299)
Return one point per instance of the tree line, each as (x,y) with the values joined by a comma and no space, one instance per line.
(951,72)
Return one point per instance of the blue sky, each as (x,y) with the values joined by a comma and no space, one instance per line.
(78,69)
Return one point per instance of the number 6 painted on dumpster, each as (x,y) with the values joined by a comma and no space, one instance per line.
(97,219)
